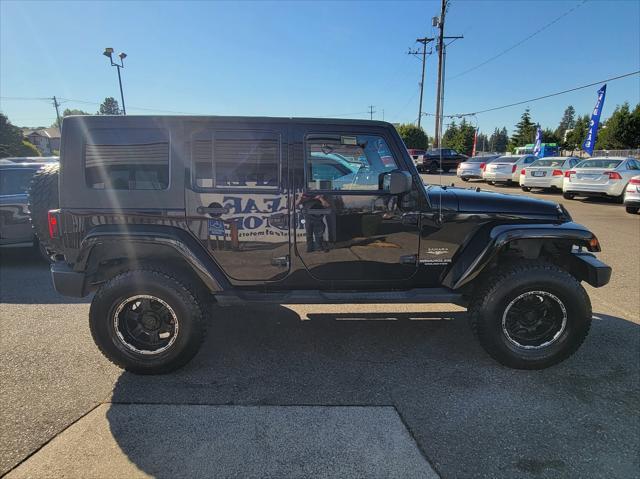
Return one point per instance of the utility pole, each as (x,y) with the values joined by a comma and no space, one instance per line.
(424,42)
(441,59)
(371,111)
(56,104)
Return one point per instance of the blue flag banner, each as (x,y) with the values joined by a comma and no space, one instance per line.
(538,145)
(590,142)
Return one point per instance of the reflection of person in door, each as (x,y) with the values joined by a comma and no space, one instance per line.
(314,222)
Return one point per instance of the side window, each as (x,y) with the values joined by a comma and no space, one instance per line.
(127,159)
(529,159)
(347,162)
(633,165)
(15,181)
(236,159)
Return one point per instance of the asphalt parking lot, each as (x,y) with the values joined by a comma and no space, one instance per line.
(312,391)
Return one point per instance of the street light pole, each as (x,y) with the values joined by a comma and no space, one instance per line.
(108,52)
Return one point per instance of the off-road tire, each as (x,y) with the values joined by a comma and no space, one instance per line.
(162,285)
(526,189)
(433,167)
(42,197)
(500,288)
(568,196)
(632,209)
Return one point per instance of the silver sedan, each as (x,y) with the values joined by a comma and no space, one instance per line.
(547,172)
(473,167)
(604,177)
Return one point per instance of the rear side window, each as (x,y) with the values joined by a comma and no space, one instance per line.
(127,159)
(236,159)
(15,182)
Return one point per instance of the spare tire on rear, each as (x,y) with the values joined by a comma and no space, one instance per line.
(43,196)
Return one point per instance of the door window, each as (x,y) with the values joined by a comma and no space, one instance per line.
(236,159)
(347,163)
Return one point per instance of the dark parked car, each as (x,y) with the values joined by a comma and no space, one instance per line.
(444,159)
(161,216)
(15,225)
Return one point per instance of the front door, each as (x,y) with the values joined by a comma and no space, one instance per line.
(353,229)
(237,198)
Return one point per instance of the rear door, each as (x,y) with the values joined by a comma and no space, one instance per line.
(351,229)
(237,197)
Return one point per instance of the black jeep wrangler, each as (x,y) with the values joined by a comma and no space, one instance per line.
(162,216)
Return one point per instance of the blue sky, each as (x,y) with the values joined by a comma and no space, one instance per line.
(315,58)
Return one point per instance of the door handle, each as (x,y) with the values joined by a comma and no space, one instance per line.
(222,210)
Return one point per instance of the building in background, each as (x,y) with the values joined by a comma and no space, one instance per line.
(46,140)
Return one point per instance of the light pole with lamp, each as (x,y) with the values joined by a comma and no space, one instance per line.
(108,52)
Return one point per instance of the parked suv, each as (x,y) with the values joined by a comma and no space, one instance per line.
(161,216)
(15,225)
(444,159)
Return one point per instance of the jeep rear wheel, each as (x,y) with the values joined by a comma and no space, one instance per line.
(146,322)
(531,315)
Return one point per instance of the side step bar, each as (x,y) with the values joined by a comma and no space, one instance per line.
(419,295)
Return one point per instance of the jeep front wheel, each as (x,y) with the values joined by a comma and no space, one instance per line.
(146,322)
(531,315)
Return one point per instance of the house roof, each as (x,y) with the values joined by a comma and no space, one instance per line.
(46,132)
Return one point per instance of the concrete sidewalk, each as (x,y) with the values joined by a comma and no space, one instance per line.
(169,441)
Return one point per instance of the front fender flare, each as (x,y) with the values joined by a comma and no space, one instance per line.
(469,264)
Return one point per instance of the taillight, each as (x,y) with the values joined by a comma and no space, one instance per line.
(522,172)
(53,224)
(567,174)
(633,181)
(613,175)
(556,173)
(513,170)
(482,166)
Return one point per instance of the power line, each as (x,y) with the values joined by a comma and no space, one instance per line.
(549,95)
(515,45)
(460,115)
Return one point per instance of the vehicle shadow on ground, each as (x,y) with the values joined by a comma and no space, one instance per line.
(471,416)
(25,279)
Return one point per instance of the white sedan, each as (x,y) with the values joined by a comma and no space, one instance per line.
(506,169)
(547,172)
(632,195)
(605,177)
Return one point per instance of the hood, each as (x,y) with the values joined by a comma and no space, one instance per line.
(470,200)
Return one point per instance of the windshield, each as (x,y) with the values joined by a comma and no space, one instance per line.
(604,163)
(553,162)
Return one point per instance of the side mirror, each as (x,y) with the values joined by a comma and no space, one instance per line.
(396,182)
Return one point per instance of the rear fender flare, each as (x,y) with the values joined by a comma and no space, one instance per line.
(182,243)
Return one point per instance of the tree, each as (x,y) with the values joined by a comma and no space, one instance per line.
(413,136)
(499,140)
(576,136)
(567,122)
(109,107)
(11,141)
(463,141)
(525,131)
(448,138)
(620,131)
(550,136)
(68,112)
